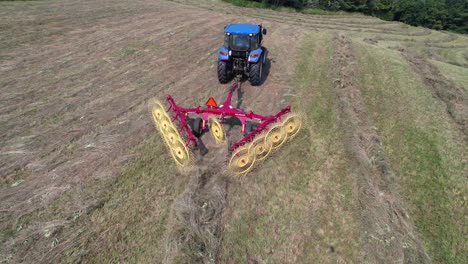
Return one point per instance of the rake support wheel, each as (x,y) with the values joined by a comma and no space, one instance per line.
(216,129)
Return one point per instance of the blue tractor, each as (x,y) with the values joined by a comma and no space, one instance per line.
(242,54)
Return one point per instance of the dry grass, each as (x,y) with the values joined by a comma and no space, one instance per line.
(131,224)
(424,147)
(386,230)
(195,233)
(75,77)
(456,74)
(298,206)
(443,89)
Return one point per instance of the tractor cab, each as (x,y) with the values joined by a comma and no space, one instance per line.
(242,53)
(243,37)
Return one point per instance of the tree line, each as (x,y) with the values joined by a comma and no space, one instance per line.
(436,14)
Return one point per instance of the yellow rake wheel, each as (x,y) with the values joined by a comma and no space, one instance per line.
(292,124)
(260,147)
(166,126)
(276,136)
(180,153)
(242,160)
(158,113)
(216,129)
(172,137)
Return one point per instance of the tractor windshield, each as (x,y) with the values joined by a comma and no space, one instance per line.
(242,42)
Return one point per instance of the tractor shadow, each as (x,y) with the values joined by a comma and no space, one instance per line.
(266,67)
(265,73)
(231,122)
(265,70)
(240,96)
(202,147)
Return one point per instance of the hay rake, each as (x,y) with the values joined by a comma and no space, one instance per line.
(262,134)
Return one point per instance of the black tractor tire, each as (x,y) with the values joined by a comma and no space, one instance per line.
(223,72)
(197,127)
(255,74)
(249,127)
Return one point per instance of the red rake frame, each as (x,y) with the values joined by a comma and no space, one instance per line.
(226,109)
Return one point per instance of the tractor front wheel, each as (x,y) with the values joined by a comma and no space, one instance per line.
(255,74)
(223,72)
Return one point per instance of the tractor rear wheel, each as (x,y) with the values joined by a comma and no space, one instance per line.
(255,74)
(223,72)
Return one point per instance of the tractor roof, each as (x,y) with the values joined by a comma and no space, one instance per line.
(242,29)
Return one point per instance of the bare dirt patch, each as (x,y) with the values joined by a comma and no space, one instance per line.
(387,232)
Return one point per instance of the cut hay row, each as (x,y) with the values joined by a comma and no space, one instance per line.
(454,97)
(371,178)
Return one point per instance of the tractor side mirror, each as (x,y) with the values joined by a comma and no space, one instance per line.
(264,31)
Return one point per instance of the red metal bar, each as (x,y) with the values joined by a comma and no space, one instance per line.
(224,110)
(262,126)
(233,88)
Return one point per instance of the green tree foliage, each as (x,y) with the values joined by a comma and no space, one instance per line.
(436,14)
